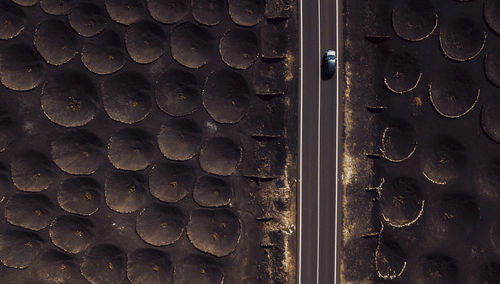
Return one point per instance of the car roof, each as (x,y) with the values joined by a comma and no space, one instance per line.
(330,52)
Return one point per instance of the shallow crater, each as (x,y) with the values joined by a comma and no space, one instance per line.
(145,42)
(127,97)
(168,12)
(178,92)
(104,264)
(72,234)
(125,192)
(125,12)
(212,191)
(151,266)
(390,259)
(247,12)
(454,94)
(198,269)
(462,39)
(226,96)
(29,210)
(220,156)
(56,42)
(414,20)
(214,231)
(105,54)
(20,67)
(191,45)
(57,7)
(69,99)
(238,48)
(208,13)
(402,73)
(401,201)
(12,20)
(80,195)
(87,19)
(131,149)
(161,224)
(19,249)
(171,181)
(56,267)
(31,171)
(444,160)
(78,152)
(180,139)
(399,141)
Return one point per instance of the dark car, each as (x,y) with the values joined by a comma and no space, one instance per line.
(328,64)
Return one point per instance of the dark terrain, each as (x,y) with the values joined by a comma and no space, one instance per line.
(421,166)
(148,141)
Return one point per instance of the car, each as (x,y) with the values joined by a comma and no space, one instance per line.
(328,64)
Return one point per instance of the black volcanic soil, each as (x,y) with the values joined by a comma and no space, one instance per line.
(131,141)
(421,75)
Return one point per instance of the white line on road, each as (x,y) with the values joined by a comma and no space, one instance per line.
(319,141)
(301,96)
(337,44)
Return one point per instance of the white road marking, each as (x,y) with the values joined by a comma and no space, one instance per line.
(337,45)
(301,96)
(319,141)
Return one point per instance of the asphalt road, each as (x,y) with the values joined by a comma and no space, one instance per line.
(318,146)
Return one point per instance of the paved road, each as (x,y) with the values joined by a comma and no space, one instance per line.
(319,147)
